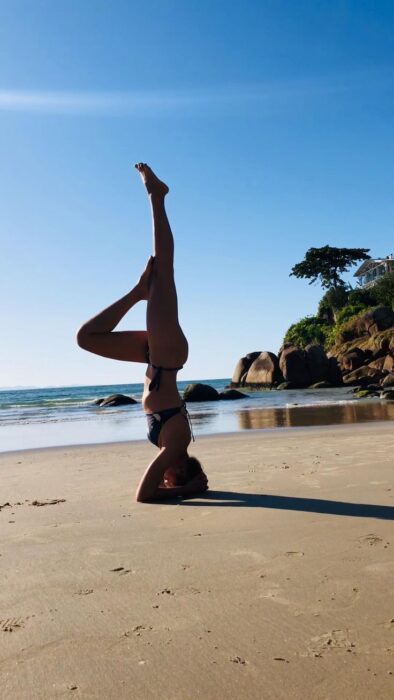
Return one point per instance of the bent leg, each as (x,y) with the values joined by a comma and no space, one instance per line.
(97,334)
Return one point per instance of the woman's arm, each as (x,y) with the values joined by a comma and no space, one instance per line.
(149,488)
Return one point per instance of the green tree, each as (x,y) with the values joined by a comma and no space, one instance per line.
(327,263)
(333,300)
(383,290)
(306,331)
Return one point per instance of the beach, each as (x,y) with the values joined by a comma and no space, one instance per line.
(275,584)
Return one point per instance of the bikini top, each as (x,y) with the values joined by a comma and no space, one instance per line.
(155,383)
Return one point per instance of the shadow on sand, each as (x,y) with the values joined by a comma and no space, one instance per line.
(308,505)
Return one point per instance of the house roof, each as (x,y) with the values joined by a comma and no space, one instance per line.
(368,264)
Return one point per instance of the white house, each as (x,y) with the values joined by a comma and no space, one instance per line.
(371,270)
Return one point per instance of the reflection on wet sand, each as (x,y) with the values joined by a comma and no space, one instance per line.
(302,416)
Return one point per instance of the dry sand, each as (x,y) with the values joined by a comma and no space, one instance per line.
(278,584)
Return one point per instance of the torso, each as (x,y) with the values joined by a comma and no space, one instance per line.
(167,396)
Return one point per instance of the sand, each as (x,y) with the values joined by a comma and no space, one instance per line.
(278,584)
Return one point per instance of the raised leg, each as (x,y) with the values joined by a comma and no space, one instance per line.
(167,343)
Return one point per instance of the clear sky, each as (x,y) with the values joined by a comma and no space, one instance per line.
(272,122)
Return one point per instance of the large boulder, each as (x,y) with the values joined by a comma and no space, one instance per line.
(377,364)
(388,365)
(115,400)
(242,367)
(334,372)
(374,321)
(264,370)
(363,376)
(231,395)
(352,360)
(388,380)
(317,362)
(200,392)
(294,367)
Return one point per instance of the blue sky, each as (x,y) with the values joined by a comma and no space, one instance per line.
(272,123)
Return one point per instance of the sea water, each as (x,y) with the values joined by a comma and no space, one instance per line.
(46,417)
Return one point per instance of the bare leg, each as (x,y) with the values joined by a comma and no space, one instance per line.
(167,343)
(97,335)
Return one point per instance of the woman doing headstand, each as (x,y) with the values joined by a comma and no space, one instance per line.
(164,347)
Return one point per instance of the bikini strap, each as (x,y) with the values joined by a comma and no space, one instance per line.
(189,420)
(155,383)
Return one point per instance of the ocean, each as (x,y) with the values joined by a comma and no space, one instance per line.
(55,416)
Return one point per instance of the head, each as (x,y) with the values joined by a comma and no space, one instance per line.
(187,468)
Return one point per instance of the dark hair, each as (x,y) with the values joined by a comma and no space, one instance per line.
(193,467)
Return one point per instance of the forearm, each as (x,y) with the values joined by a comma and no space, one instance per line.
(108,319)
(166,493)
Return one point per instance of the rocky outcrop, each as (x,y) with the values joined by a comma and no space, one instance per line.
(200,392)
(294,367)
(115,400)
(242,368)
(368,324)
(264,371)
(317,363)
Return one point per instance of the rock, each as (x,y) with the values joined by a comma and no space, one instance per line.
(117,400)
(200,392)
(334,372)
(97,402)
(321,385)
(317,363)
(377,364)
(388,365)
(264,370)
(387,395)
(293,365)
(372,322)
(231,395)
(352,360)
(388,380)
(363,375)
(242,367)
(288,385)
(363,393)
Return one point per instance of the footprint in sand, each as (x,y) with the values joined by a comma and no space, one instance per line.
(370,539)
(336,640)
(294,554)
(12,623)
(48,502)
(238,660)
(121,570)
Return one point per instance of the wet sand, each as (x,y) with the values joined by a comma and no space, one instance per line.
(277,584)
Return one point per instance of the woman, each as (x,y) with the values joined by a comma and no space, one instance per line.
(164,347)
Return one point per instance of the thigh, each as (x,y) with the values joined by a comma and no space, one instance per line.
(130,346)
(165,336)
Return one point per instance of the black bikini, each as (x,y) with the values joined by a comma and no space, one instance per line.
(159,418)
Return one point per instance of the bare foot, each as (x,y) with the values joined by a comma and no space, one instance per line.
(144,280)
(151,181)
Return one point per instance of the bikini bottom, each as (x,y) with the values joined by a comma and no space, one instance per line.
(157,420)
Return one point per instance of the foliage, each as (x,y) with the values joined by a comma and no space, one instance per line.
(361,297)
(383,290)
(333,300)
(325,264)
(307,330)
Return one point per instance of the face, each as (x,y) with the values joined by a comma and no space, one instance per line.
(176,475)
